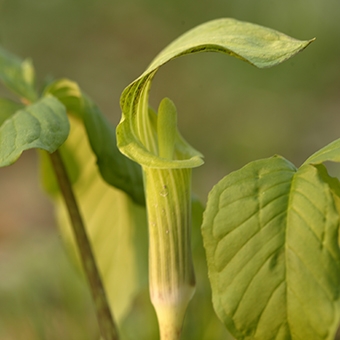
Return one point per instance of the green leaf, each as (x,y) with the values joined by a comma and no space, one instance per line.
(330,152)
(8,108)
(271,238)
(42,125)
(203,325)
(115,224)
(259,46)
(115,168)
(18,75)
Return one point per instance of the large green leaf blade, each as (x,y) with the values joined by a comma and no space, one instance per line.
(42,125)
(270,233)
(115,168)
(115,224)
(18,75)
(257,45)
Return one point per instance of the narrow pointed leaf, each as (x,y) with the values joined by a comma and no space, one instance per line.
(115,224)
(271,237)
(18,75)
(8,108)
(115,168)
(259,46)
(42,125)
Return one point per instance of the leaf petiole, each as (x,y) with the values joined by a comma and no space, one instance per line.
(107,326)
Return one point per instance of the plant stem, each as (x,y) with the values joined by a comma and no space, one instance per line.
(171,271)
(106,322)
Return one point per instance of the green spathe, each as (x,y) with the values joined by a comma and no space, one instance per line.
(257,45)
(168,202)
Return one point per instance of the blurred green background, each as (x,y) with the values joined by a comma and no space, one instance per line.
(230,111)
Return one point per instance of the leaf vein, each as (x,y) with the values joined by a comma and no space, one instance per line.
(322,245)
(254,276)
(310,271)
(267,303)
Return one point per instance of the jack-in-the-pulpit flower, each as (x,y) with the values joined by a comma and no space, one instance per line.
(167,181)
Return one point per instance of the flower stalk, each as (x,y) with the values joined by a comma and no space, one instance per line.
(152,140)
(168,199)
(171,273)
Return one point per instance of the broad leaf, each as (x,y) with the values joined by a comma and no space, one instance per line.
(8,108)
(270,232)
(42,125)
(115,224)
(201,323)
(259,46)
(18,75)
(115,168)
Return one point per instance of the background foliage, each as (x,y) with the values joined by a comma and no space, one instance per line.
(230,111)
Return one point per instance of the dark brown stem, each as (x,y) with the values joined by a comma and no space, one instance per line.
(106,323)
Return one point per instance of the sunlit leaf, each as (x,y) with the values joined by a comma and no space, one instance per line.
(202,325)
(8,108)
(115,224)
(271,237)
(114,167)
(42,125)
(18,75)
(259,46)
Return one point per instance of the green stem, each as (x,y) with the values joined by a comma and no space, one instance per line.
(106,323)
(171,272)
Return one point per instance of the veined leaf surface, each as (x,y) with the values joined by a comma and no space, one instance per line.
(18,75)
(271,237)
(257,45)
(115,224)
(42,125)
